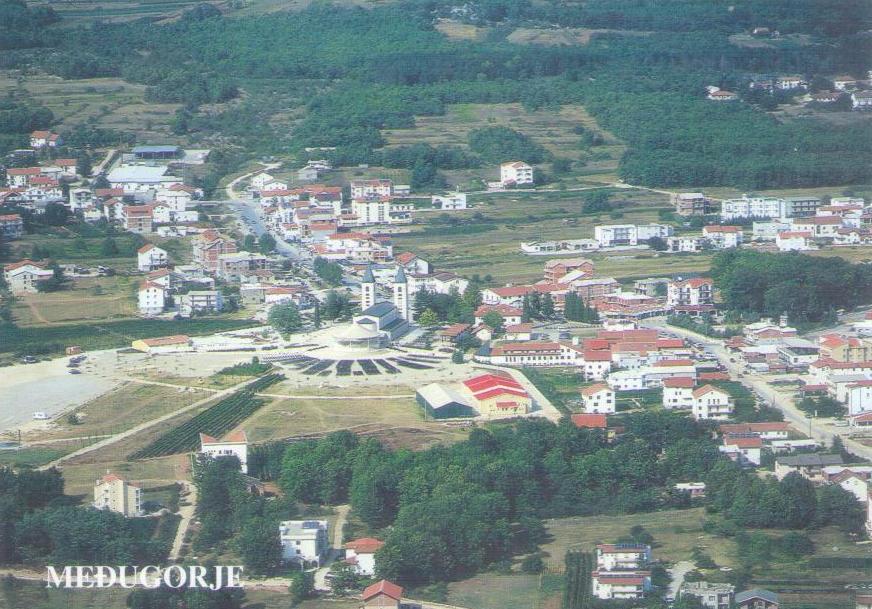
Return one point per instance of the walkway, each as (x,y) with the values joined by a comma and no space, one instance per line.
(187,513)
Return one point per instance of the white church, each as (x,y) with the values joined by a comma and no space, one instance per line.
(380,323)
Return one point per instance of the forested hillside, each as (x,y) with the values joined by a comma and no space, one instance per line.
(353,71)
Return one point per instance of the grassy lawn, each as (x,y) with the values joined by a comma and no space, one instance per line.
(461,31)
(86,299)
(676,533)
(563,36)
(79,477)
(35,456)
(123,408)
(491,591)
(34,595)
(286,418)
(649,399)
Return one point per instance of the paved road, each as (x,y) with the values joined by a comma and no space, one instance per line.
(814,428)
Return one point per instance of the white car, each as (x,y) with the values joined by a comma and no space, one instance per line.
(40,416)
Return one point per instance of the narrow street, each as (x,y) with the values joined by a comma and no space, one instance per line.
(814,428)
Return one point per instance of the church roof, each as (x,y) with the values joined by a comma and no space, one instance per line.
(380,309)
(368,276)
(401,275)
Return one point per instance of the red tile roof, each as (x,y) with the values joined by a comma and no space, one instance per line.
(679,382)
(590,421)
(665,363)
(707,389)
(364,545)
(743,441)
(595,388)
(385,587)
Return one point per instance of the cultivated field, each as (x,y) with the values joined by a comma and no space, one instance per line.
(111,102)
(550,128)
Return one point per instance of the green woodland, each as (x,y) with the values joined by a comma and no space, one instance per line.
(351,72)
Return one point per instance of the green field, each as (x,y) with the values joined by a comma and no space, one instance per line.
(109,335)
(506,219)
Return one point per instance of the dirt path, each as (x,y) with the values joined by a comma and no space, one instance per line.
(187,514)
(37,314)
(336,546)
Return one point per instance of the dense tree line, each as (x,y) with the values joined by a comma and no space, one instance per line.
(230,515)
(453,510)
(23,27)
(749,501)
(39,525)
(806,288)
(379,68)
(501,144)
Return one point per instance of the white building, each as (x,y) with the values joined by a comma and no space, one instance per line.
(264,181)
(794,241)
(752,207)
(25,276)
(612,235)
(696,293)
(141,179)
(234,444)
(450,202)
(723,237)
(622,556)
(381,211)
(304,542)
(686,243)
(622,586)
(152,298)
(709,402)
(598,399)
(859,397)
(115,494)
(360,554)
(200,301)
(678,393)
(150,258)
(767,231)
(861,100)
(515,173)
(370,189)
(710,595)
